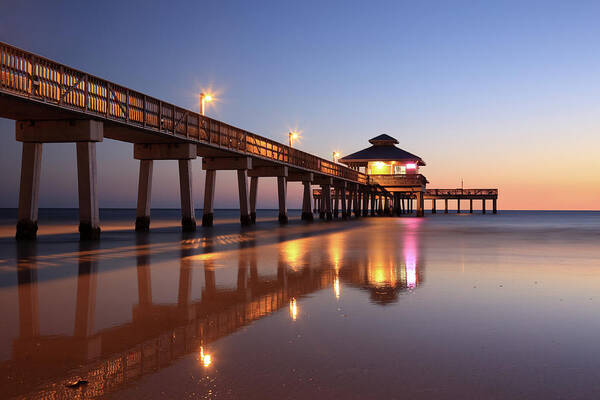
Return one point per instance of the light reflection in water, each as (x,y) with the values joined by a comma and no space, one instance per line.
(293,309)
(205,358)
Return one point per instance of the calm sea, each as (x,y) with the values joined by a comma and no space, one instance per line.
(448,306)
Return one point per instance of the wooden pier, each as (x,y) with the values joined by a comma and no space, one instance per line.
(54,103)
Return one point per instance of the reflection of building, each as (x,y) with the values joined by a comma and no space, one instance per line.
(387,272)
(394,169)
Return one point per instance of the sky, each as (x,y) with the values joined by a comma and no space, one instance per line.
(499,94)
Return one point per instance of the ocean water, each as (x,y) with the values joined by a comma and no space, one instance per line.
(448,306)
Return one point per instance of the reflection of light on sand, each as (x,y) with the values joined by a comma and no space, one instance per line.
(293,309)
(292,251)
(410,258)
(411,272)
(382,274)
(336,287)
(205,358)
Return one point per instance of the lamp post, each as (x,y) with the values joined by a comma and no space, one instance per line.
(336,156)
(293,135)
(204,98)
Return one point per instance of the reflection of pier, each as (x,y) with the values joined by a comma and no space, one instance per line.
(158,333)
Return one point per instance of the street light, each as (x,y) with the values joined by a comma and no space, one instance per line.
(293,135)
(204,98)
(336,156)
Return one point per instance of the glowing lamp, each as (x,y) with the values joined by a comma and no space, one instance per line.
(204,98)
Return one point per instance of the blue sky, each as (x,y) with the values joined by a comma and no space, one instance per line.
(501,94)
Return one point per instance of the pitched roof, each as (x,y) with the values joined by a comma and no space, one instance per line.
(383,139)
(383,149)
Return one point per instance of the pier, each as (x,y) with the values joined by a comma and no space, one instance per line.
(54,103)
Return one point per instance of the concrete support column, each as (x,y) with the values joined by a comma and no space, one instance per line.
(253,194)
(420,204)
(365,204)
(433,206)
(326,198)
(31,167)
(471,206)
(89,219)
(445,206)
(307,214)
(336,203)
(344,204)
(352,203)
(188,220)
(358,211)
(494,209)
(282,193)
(458,206)
(142,220)
(386,206)
(243,194)
(483,206)
(209,197)
(321,205)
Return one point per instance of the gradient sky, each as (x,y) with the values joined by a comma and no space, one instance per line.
(500,94)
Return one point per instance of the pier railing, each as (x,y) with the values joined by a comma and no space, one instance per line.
(45,81)
(461,192)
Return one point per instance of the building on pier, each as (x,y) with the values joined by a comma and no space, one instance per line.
(394,169)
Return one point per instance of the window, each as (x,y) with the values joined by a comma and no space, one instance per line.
(399,170)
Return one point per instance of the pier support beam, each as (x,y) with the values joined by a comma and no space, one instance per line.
(184,153)
(209,197)
(142,219)
(494,209)
(241,165)
(85,133)
(188,219)
(253,194)
(458,206)
(242,175)
(282,192)
(336,202)
(89,218)
(445,206)
(420,204)
(365,204)
(471,206)
(326,199)
(433,206)
(31,167)
(483,206)
(307,214)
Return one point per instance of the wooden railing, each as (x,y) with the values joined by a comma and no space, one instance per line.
(40,79)
(461,192)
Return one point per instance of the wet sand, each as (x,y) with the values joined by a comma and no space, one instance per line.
(445,307)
